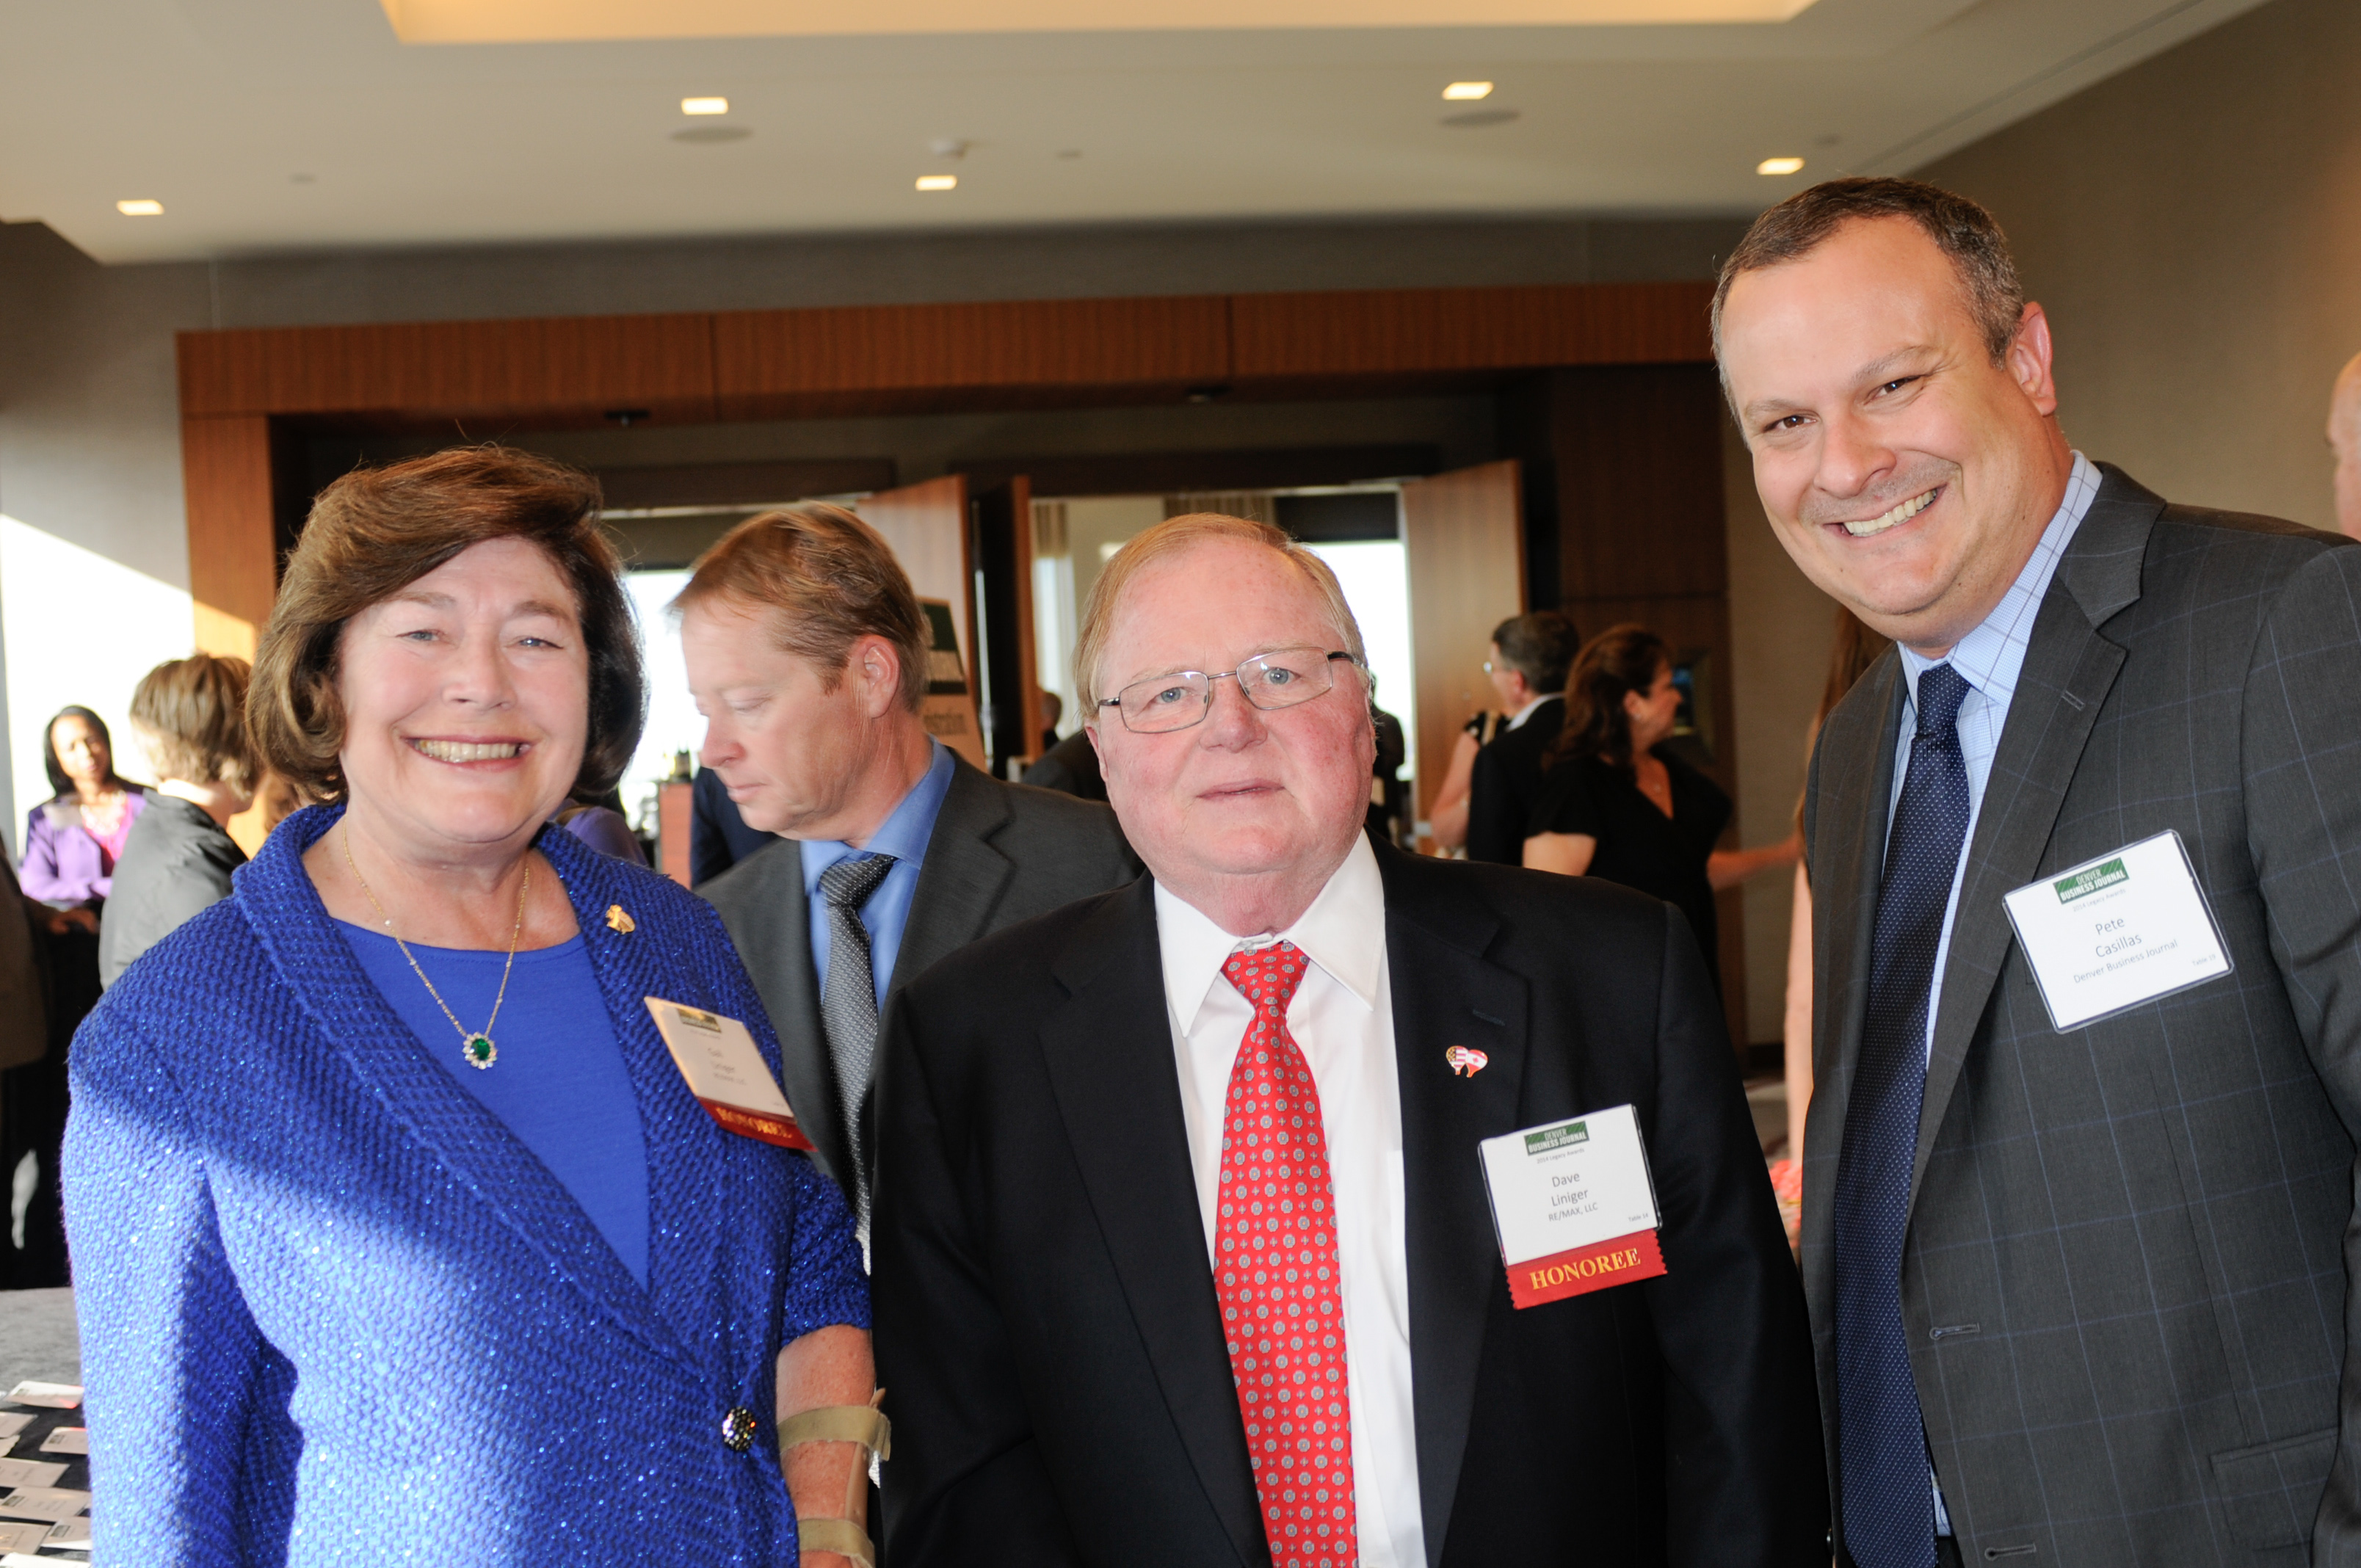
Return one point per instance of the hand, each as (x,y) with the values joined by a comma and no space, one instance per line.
(827,1560)
(64,920)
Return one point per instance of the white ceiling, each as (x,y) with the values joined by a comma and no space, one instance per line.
(287,124)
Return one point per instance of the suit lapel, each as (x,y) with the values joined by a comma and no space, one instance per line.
(1110,1061)
(519,1195)
(962,878)
(1446,993)
(2068,673)
(1848,863)
(770,924)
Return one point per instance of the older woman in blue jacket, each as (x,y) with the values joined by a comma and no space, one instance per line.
(396,1229)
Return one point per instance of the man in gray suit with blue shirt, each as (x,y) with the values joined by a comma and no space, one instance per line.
(807,653)
(2086,854)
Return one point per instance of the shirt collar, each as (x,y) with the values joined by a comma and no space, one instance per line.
(1990,656)
(1344,933)
(905,832)
(1526,711)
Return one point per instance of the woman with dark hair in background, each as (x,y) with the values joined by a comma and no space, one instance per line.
(190,716)
(71,843)
(1617,804)
(73,840)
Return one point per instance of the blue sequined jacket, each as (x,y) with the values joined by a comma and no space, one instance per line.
(334,1312)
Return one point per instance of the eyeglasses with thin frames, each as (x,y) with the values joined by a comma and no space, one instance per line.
(1280,678)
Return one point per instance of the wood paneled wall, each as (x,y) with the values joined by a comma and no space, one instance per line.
(1624,476)
(226,472)
(703,366)
(737,364)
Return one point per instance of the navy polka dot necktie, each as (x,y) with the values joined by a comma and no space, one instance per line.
(1888,1494)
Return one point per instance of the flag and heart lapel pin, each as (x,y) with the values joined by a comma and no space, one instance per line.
(1465,1062)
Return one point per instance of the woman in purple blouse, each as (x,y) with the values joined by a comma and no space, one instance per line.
(71,845)
(73,840)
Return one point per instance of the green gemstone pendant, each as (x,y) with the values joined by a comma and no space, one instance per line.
(479,1050)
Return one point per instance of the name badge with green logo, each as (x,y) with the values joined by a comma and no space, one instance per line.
(1573,1206)
(2118,931)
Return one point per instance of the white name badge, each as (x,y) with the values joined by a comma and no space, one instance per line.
(1573,1206)
(51,1503)
(725,1072)
(47,1396)
(27,1538)
(15,1473)
(2116,931)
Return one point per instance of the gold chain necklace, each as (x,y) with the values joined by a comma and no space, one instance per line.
(476,1046)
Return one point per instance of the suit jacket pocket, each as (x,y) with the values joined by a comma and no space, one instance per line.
(2270,1492)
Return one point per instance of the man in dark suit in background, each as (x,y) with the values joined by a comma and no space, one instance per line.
(2079,1201)
(1531,656)
(1282,1050)
(807,655)
(718,836)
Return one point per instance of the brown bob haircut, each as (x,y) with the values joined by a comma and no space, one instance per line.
(1614,664)
(824,580)
(191,715)
(377,530)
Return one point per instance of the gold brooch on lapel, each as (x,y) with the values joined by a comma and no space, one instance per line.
(1465,1063)
(617,920)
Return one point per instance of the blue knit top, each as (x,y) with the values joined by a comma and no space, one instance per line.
(334,1312)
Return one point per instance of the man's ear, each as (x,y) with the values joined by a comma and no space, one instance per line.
(876,665)
(2028,359)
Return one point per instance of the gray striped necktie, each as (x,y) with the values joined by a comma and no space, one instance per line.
(848,1006)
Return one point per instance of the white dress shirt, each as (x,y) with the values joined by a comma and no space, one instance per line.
(1343,1021)
(1518,722)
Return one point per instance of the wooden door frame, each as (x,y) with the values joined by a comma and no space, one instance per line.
(241,389)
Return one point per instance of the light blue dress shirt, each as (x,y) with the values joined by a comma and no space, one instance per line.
(887,914)
(1989,658)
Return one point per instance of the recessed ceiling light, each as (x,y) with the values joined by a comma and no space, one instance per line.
(140,209)
(1780,166)
(1459,91)
(705,105)
(937,182)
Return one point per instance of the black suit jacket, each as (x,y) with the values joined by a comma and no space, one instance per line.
(1047,1327)
(1000,853)
(1506,786)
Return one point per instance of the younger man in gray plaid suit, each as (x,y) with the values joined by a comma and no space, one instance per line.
(2078,1294)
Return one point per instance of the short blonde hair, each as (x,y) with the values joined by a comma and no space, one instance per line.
(1176,536)
(823,580)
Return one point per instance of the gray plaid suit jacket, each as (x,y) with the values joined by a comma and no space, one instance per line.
(2126,1277)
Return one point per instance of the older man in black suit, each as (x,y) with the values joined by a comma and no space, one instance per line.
(807,655)
(1281,1050)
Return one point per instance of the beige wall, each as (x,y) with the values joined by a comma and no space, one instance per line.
(2194,228)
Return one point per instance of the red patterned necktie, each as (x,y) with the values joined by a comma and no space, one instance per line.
(1282,1311)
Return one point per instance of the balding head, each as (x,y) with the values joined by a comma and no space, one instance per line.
(2345,438)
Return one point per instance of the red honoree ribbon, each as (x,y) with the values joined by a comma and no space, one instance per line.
(779,1130)
(1585,1269)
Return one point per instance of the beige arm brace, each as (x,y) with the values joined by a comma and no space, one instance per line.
(863,1424)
